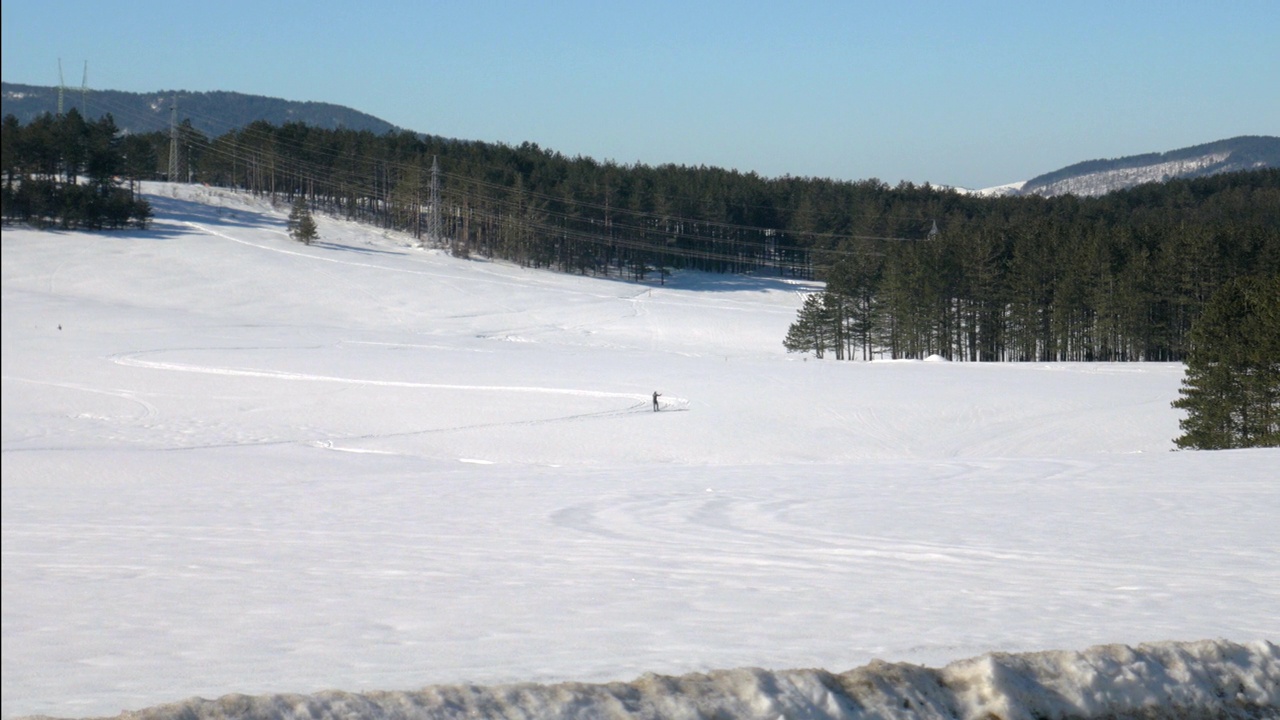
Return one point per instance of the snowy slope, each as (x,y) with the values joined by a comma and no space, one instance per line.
(1099,177)
(1101,182)
(1013,188)
(234,464)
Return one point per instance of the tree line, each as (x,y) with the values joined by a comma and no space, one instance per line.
(524,204)
(910,270)
(61,170)
(1115,278)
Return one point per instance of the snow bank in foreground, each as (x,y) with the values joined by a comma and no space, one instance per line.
(1206,679)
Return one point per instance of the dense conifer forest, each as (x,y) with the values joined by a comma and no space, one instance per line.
(64,171)
(911,270)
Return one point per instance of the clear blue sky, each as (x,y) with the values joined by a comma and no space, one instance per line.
(959,93)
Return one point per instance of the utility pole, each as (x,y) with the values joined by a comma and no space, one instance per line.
(417,201)
(173,140)
(433,220)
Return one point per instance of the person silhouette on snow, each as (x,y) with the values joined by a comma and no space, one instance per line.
(656,395)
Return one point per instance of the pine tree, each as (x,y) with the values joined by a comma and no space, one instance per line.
(301,225)
(812,331)
(307,229)
(1232,389)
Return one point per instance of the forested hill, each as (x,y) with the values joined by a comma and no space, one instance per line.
(212,113)
(1099,177)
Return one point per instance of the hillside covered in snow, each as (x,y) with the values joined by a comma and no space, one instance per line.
(1099,177)
(366,477)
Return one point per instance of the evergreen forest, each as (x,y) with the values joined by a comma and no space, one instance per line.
(911,270)
(65,171)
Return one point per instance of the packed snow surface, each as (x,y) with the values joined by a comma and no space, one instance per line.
(236,464)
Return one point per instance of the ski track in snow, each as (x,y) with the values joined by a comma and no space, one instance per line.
(131,360)
(149,410)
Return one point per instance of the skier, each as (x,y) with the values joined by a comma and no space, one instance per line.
(656,395)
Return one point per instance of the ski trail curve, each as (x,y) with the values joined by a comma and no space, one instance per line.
(130,360)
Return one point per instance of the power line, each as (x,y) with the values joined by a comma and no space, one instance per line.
(403,166)
(620,227)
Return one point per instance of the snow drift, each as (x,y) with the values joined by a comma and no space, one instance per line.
(1206,679)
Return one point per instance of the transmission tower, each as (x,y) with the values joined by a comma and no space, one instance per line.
(62,87)
(173,140)
(433,219)
(84,92)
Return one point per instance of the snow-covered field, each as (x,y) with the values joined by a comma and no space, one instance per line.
(236,464)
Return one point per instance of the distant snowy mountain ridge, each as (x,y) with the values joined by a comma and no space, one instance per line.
(1099,177)
(1013,188)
